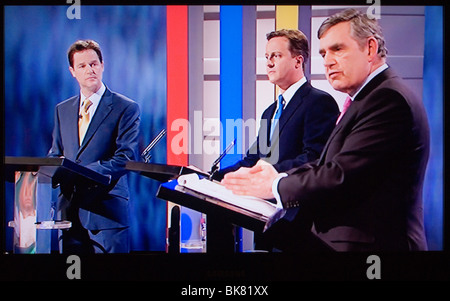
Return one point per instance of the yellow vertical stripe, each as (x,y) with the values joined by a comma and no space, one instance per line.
(286,17)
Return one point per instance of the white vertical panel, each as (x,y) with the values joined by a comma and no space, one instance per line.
(265,7)
(211,46)
(265,90)
(211,122)
(316,59)
(263,27)
(211,8)
(211,89)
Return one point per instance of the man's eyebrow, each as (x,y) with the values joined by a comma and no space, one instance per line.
(333,47)
(272,52)
(336,46)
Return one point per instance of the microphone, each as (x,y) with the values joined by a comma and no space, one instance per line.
(146,153)
(214,167)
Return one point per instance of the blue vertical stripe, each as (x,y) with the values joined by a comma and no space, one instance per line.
(231,81)
(433,100)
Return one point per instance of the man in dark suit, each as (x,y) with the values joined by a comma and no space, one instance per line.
(365,191)
(295,128)
(308,114)
(97,129)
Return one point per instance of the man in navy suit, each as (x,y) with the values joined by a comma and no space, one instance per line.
(97,129)
(308,115)
(365,191)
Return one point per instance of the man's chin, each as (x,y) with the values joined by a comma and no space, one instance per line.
(93,87)
(338,86)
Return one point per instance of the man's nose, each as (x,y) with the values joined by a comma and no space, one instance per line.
(89,69)
(328,60)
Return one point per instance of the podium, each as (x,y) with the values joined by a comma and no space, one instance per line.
(35,205)
(160,172)
(164,173)
(222,217)
(239,216)
(218,214)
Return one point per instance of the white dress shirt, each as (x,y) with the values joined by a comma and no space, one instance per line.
(94,98)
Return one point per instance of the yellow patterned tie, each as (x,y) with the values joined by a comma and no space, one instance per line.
(83,121)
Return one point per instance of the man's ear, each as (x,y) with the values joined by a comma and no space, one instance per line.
(372,48)
(72,71)
(299,61)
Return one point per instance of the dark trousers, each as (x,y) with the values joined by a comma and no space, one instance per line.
(78,240)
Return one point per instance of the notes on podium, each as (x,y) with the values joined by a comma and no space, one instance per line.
(207,196)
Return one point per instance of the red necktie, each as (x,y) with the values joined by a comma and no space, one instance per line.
(347,103)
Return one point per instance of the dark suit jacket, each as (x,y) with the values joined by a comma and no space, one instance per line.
(365,191)
(111,140)
(303,128)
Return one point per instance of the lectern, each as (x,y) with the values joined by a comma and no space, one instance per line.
(161,172)
(34,204)
(164,173)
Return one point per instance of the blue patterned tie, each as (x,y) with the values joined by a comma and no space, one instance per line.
(281,103)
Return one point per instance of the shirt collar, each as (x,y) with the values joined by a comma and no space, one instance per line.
(94,98)
(370,77)
(289,93)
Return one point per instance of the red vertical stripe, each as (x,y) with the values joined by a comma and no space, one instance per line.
(177,85)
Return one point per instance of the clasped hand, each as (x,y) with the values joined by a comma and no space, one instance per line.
(255,181)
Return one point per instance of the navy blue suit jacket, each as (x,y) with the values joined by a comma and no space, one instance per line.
(110,141)
(303,128)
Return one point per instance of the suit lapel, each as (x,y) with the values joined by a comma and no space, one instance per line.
(290,109)
(351,111)
(103,110)
(69,124)
(293,104)
(268,117)
(375,82)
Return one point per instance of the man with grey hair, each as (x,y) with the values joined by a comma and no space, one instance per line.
(365,191)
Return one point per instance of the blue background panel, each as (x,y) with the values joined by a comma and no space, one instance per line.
(37,78)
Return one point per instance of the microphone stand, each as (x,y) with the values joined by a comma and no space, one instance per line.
(215,165)
(146,156)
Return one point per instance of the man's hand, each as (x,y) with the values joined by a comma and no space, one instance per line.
(256,181)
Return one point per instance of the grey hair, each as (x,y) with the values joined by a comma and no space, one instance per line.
(362,27)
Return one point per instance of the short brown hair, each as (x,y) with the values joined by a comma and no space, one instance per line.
(298,42)
(362,27)
(82,45)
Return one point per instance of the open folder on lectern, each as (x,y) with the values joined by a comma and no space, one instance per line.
(207,196)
